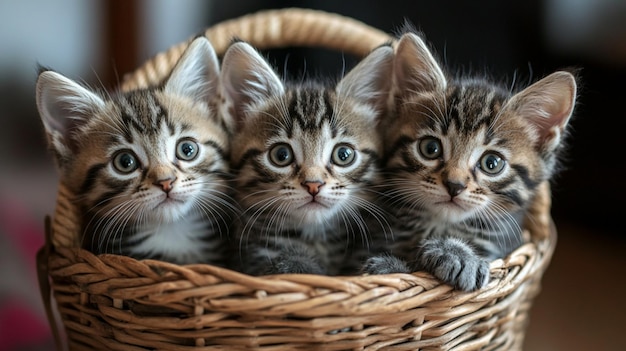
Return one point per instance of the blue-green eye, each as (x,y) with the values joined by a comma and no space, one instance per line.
(430,148)
(186,150)
(491,163)
(125,162)
(343,155)
(281,155)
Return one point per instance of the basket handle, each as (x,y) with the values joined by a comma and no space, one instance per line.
(270,29)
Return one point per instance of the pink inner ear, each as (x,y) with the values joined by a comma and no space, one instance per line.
(551,116)
(548,104)
(415,67)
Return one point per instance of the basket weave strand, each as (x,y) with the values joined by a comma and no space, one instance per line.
(239,310)
(111,302)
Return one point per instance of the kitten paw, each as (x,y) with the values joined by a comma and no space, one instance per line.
(295,262)
(454,262)
(385,264)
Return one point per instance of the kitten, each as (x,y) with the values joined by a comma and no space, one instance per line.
(149,167)
(464,158)
(304,157)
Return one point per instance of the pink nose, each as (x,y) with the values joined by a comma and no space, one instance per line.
(166,184)
(313,187)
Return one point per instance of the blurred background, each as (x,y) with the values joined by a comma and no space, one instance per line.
(581,306)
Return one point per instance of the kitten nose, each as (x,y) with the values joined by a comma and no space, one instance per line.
(166,184)
(313,187)
(455,188)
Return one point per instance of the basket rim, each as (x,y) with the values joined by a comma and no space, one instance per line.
(533,255)
(221,291)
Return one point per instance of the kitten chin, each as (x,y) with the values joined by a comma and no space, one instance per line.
(170,210)
(316,211)
(313,213)
(454,210)
(450,212)
(174,206)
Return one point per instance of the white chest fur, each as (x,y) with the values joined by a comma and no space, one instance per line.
(184,241)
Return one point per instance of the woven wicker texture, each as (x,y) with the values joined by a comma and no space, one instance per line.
(111,302)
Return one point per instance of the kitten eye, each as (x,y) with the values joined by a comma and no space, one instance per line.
(281,155)
(186,150)
(491,163)
(125,162)
(343,155)
(430,148)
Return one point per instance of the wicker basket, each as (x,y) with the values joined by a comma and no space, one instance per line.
(111,302)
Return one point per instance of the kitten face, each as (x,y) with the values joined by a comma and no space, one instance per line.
(460,155)
(304,154)
(467,148)
(307,156)
(146,165)
(168,161)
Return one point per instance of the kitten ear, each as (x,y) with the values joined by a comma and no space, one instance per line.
(196,74)
(369,80)
(247,78)
(64,106)
(548,104)
(415,68)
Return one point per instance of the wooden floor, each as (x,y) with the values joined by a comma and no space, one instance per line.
(582,305)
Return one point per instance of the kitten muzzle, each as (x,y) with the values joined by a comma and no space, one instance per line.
(313,187)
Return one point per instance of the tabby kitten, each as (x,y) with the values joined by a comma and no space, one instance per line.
(148,167)
(464,160)
(304,158)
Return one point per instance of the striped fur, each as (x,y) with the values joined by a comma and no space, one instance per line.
(175,204)
(464,158)
(305,203)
